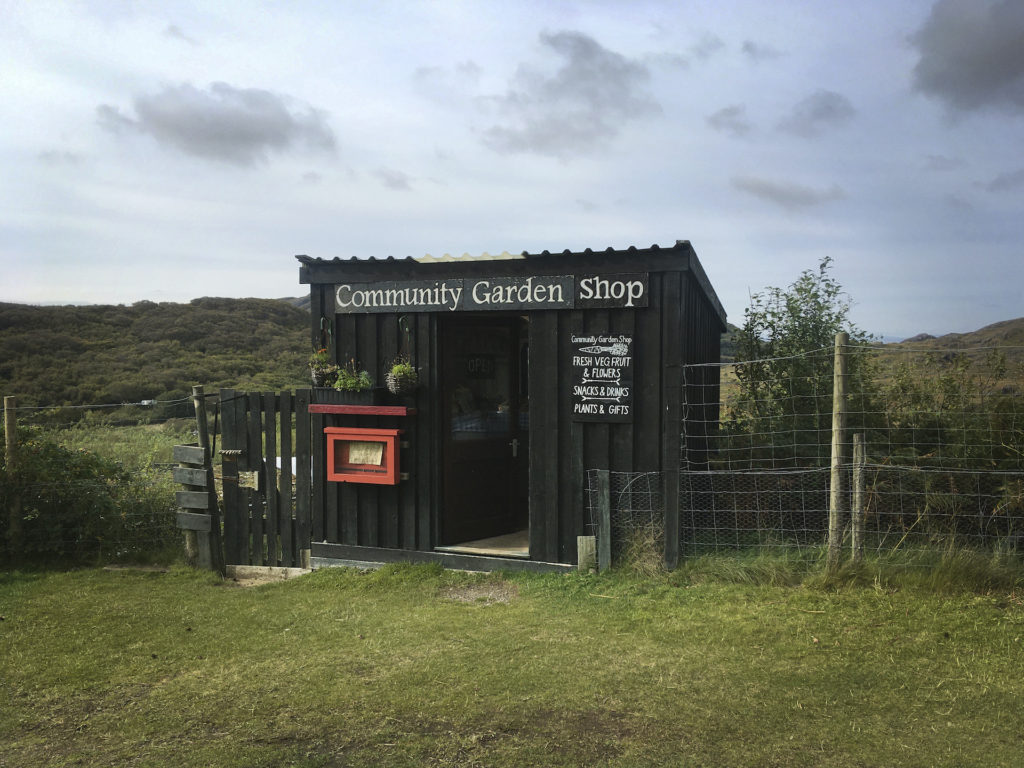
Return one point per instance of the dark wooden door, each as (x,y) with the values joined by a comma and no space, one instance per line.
(486,427)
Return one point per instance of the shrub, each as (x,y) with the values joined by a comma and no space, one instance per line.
(76,506)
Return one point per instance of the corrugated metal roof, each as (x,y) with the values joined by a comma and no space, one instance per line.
(504,255)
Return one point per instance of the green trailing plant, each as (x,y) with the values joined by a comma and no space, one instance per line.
(352,379)
(402,377)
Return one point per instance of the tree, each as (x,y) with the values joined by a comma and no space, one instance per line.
(781,415)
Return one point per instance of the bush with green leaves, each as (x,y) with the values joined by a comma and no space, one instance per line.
(784,362)
(76,506)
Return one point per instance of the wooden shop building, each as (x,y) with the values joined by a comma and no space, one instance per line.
(532,370)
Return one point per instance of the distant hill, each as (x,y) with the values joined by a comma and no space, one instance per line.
(113,354)
(1008,333)
(75,355)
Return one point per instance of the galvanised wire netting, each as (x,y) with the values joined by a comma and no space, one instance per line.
(943,436)
(943,462)
(637,510)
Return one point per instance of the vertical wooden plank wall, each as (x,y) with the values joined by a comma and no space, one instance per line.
(257,556)
(286,527)
(265,526)
(570,456)
(561,449)
(397,516)
(672,313)
(270,475)
(387,495)
(426,434)
(236,515)
(544,417)
(303,477)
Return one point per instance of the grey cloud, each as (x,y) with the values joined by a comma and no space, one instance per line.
(668,59)
(731,120)
(111,119)
(758,52)
(942,163)
(578,108)
(587,206)
(175,32)
(788,195)
(394,179)
(958,204)
(446,85)
(972,55)
(818,112)
(233,125)
(312,178)
(468,69)
(1004,182)
(55,157)
(707,46)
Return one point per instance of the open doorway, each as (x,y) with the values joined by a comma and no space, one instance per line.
(485,491)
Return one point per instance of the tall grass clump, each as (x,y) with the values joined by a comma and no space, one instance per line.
(783,567)
(945,570)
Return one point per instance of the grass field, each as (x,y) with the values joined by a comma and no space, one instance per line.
(416,666)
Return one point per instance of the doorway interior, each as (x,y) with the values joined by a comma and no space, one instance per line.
(486,420)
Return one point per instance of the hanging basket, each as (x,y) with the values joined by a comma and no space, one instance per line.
(323,377)
(399,384)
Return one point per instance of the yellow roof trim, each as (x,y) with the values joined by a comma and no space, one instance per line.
(503,256)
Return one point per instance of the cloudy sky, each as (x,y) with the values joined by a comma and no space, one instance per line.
(170,150)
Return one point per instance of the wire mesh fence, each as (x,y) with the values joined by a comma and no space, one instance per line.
(637,511)
(93,490)
(944,441)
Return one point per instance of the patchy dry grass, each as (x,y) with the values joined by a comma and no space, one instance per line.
(413,666)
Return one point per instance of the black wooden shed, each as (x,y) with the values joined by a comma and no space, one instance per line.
(533,369)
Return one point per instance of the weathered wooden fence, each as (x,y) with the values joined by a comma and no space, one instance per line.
(266,497)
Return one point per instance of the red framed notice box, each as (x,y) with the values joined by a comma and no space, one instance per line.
(358,455)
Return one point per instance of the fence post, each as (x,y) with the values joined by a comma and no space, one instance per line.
(604,520)
(857,510)
(836,485)
(210,547)
(14,535)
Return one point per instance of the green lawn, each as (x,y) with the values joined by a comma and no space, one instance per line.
(416,666)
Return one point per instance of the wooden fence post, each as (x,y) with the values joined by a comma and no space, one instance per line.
(14,533)
(837,498)
(202,531)
(604,520)
(586,552)
(857,510)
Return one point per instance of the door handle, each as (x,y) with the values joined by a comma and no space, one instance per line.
(515,447)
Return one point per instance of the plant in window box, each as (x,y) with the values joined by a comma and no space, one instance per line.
(322,370)
(402,378)
(355,386)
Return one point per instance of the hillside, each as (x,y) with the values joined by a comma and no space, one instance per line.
(1008,333)
(73,355)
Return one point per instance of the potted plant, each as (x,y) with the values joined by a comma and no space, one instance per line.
(402,378)
(321,369)
(356,385)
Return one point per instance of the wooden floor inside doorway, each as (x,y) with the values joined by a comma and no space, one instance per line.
(509,545)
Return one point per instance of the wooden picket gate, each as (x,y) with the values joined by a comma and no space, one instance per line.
(266,502)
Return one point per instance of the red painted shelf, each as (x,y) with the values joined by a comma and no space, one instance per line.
(363,410)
